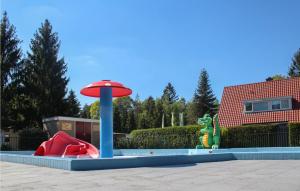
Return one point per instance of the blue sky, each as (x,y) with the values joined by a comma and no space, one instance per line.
(145,44)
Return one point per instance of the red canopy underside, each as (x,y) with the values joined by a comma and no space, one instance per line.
(118,89)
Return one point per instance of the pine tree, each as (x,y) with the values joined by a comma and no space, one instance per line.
(191,116)
(85,112)
(10,51)
(142,121)
(204,98)
(44,74)
(10,61)
(149,108)
(159,111)
(117,119)
(169,97)
(216,106)
(137,108)
(73,106)
(169,94)
(294,70)
(123,106)
(177,108)
(131,122)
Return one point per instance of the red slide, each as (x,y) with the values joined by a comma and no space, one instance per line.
(64,145)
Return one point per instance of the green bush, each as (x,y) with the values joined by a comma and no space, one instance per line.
(294,134)
(164,138)
(31,138)
(256,135)
(123,143)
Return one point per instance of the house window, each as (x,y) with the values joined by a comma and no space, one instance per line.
(248,106)
(285,104)
(273,104)
(260,106)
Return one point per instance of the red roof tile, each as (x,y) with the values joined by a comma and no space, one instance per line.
(231,111)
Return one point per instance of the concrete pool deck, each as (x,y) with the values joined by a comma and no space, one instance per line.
(131,158)
(224,176)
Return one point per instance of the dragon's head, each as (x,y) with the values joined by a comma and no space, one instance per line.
(205,120)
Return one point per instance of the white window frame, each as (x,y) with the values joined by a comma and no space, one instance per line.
(269,100)
(245,106)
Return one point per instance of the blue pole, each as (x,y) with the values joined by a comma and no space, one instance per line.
(106,123)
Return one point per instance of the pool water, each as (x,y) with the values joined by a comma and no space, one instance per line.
(165,152)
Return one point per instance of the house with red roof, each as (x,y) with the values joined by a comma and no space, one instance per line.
(276,101)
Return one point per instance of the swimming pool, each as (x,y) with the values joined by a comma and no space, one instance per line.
(131,158)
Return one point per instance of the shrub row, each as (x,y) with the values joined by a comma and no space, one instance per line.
(294,134)
(161,138)
(256,135)
(263,135)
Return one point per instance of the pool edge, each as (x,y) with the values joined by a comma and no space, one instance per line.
(143,161)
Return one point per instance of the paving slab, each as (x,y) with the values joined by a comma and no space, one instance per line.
(228,175)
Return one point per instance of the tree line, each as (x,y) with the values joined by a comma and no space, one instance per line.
(164,111)
(34,86)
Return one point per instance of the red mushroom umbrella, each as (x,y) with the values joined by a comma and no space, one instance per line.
(106,89)
(94,89)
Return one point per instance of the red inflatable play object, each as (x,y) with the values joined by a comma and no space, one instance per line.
(118,89)
(64,145)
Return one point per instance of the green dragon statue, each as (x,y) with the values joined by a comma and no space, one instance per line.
(209,135)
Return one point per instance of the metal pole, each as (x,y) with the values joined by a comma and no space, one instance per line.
(163,121)
(181,119)
(172,120)
(106,123)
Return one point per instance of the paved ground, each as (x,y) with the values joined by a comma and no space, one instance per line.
(222,176)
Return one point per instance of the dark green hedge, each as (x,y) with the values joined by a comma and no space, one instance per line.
(162,138)
(257,135)
(294,134)
(31,138)
(124,143)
